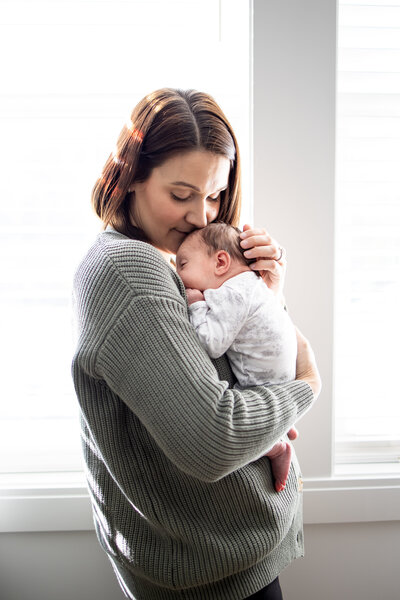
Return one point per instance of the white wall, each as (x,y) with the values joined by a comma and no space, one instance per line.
(55,566)
(348,562)
(294,174)
(294,101)
(351,562)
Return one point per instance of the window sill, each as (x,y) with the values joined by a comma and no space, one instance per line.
(60,502)
(44,502)
(352,499)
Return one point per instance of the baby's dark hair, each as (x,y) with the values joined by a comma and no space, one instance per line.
(221,236)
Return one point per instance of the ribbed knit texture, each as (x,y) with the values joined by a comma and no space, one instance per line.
(182,504)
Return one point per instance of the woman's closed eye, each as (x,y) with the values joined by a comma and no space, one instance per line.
(179,199)
(186,198)
(214,198)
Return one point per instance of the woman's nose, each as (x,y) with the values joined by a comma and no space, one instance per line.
(197,214)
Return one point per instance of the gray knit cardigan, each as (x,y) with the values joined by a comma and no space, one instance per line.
(183,504)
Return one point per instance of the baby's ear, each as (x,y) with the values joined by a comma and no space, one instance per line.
(222,262)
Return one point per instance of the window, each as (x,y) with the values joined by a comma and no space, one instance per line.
(73,73)
(367,319)
(294,95)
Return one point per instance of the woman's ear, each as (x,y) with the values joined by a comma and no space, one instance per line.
(222,262)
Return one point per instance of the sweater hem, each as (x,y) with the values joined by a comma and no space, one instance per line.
(236,587)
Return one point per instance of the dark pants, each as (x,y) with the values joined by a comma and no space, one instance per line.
(271,592)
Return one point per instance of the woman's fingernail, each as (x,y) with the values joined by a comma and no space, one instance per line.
(244,243)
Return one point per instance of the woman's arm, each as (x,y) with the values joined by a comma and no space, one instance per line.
(306,366)
(154,362)
(136,337)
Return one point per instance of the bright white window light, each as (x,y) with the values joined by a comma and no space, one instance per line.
(367,323)
(72,74)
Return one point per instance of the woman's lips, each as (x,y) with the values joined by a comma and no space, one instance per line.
(183,232)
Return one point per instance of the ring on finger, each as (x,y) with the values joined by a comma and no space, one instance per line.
(281,251)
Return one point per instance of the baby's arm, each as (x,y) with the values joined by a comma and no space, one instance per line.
(218,319)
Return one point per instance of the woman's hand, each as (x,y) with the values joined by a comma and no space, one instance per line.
(193,295)
(269,257)
(306,366)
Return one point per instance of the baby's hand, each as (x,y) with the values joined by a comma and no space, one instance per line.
(194,295)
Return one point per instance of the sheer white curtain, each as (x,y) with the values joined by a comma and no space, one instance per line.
(72,74)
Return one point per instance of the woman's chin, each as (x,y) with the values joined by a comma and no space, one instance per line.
(176,240)
(171,242)
(169,248)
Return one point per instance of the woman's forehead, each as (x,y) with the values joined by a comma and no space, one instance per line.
(196,170)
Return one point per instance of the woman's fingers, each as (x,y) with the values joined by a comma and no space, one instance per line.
(256,231)
(257,243)
(256,238)
(271,265)
(268,257)
(271,252)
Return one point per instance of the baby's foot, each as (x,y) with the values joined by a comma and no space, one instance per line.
(280,456)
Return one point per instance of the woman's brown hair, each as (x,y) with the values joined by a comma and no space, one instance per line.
(164,123)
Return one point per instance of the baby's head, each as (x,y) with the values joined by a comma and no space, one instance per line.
(210,256)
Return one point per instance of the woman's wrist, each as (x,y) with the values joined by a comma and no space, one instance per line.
(314,381)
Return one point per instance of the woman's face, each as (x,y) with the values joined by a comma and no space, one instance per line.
(180,195)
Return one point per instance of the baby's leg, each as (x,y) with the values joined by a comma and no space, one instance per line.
(280,456)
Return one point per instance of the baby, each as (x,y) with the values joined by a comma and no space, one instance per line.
(233,311)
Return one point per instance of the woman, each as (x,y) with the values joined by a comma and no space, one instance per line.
(183,504)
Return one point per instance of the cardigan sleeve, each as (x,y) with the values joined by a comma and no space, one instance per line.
(153,360)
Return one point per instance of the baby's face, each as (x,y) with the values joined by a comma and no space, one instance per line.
(194,265)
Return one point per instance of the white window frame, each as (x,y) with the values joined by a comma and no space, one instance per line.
(294,164)
(361,24)
(295,49)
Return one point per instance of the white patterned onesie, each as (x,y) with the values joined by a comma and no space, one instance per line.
(244,318)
